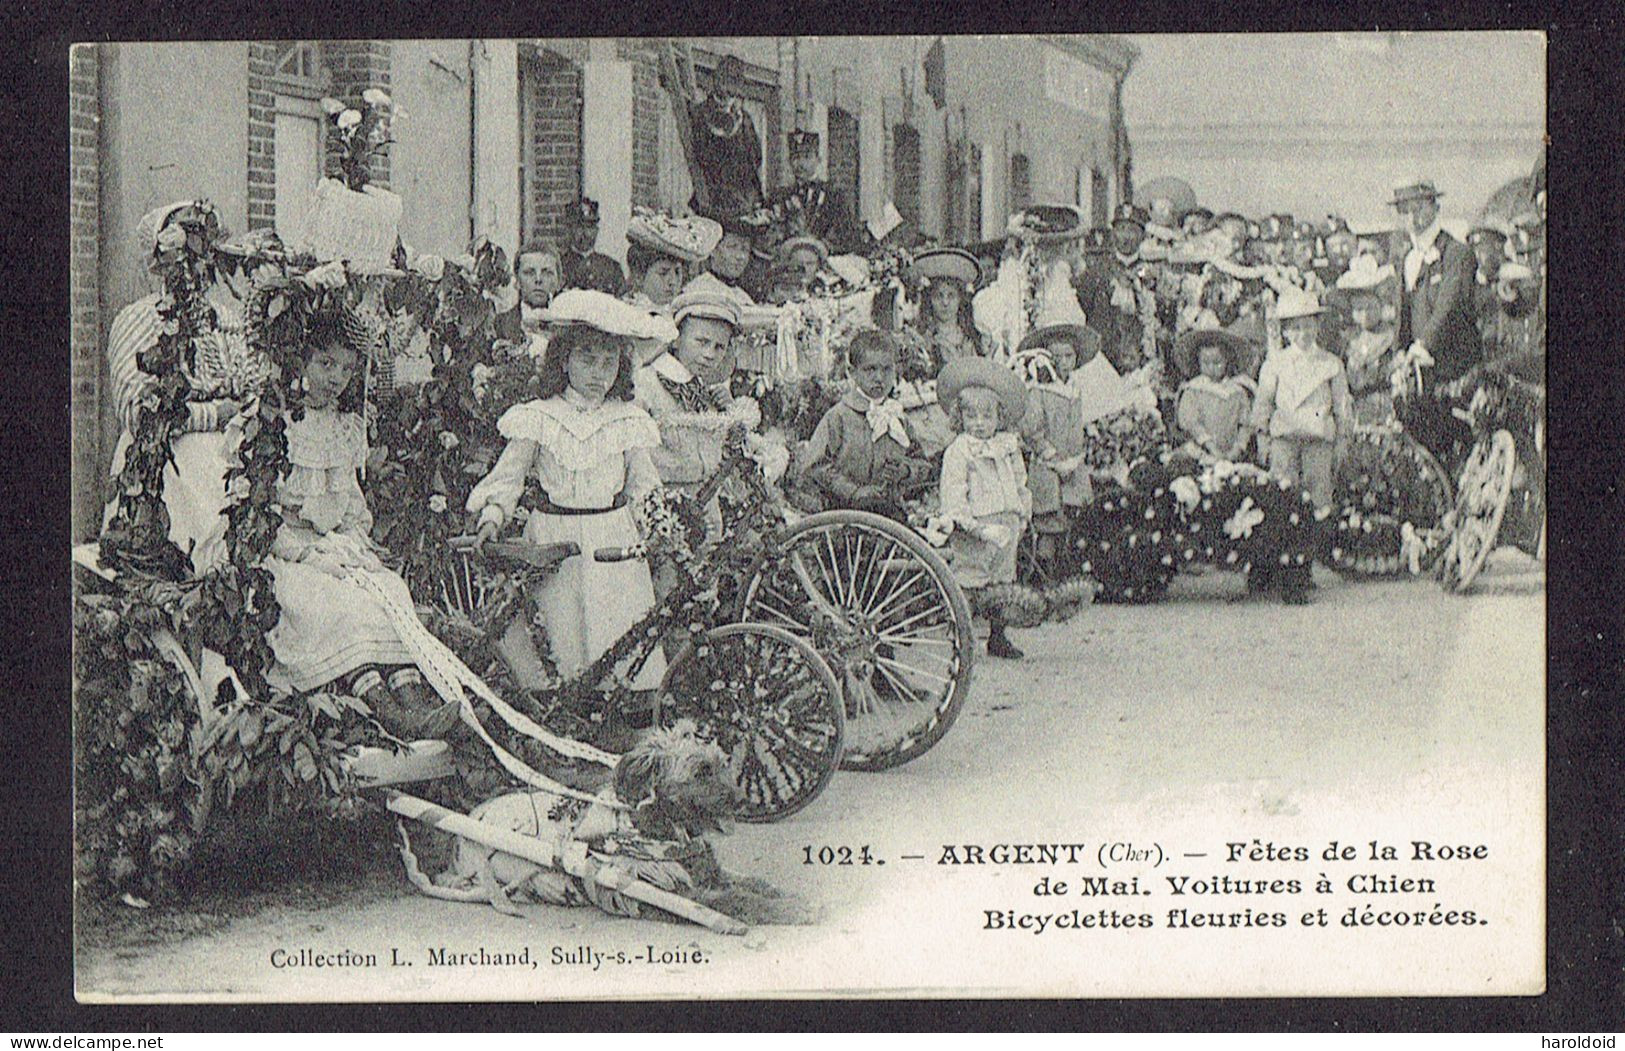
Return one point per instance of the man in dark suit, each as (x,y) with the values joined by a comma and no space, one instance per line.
(1436,323)
(810,206)
(1114,294)
(538,273)
(584,267)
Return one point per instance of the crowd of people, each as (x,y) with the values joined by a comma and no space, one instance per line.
(961,402)
(1255,340)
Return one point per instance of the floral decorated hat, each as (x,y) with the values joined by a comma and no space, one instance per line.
(691,239)
(1002,380)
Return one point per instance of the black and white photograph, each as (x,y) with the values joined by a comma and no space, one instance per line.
(930,516)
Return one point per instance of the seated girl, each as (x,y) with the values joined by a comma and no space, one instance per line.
(332,628)
(1215,405)
(589,446)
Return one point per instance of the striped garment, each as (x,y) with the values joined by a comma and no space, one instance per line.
(134,330)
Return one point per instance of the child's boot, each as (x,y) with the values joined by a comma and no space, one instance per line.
(999,644)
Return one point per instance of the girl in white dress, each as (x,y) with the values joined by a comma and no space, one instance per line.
(589,446)
(333,626)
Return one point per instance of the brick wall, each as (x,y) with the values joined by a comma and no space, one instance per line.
(85,321)
(552,86)
(355,66)
(261,137)
(906,172)
(647,99)
(843,153)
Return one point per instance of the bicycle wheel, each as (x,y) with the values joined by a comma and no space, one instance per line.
(1481,501)
(773,705)
(882,608)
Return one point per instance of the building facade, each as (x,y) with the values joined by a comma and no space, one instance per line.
(499,137)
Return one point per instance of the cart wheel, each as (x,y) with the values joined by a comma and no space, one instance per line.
(1444,494)
(884,611)
(773,705)
(1481,501)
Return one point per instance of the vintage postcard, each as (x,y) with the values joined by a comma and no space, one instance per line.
(913,516)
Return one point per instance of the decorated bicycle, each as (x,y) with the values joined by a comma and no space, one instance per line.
(175,690)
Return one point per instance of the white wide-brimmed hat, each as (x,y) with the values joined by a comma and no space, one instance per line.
(604,312)
(1364,273)
(1296,303)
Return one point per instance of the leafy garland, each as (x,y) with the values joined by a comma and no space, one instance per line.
(137,537)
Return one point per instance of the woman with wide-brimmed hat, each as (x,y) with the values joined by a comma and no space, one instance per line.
(950,276)
(661,250)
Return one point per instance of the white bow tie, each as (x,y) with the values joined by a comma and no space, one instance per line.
(886,417)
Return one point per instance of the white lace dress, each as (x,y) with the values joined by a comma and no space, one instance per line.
(594,465)
(330,626)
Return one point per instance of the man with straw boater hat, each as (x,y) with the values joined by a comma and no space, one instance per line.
(1438,336)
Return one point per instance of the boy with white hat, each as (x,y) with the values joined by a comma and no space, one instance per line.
(1303,407)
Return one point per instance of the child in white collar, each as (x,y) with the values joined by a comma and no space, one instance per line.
(589,446)
(864,454)
(984,481)
(1214,408)
(1303,405)
(1303,400)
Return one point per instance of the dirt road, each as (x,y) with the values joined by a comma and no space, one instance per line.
(1154,737)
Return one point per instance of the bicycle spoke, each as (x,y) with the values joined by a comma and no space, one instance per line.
(899,626)
(875,611)
(864,589)
(887,662)
(908,692)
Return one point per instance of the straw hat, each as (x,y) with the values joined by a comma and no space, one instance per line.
(1003,381)
(788,248)
(1192,340)
(1364,273)
(1047,222)
(947,264)
(705,303)
(1420,190)
(1296,303)
(602,311)
(1063,320)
